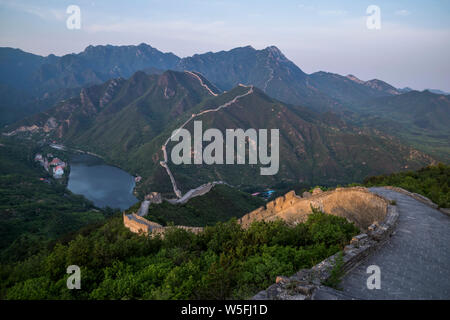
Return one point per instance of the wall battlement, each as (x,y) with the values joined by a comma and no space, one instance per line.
(356,204)
(138,224)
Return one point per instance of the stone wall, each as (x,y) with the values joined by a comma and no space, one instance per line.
(139,224)
(305,283)
(421,198)
(356,204)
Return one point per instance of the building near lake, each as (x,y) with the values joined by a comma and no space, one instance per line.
(58,172)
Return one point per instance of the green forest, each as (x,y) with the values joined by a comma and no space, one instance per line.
(44,228)
(223,262)
(33,213)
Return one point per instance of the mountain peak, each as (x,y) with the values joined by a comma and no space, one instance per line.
(382,86)
(275,52)
(354,78)
(145,45)
(248,48)
(273,49)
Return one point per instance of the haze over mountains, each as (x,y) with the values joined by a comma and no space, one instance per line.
(267,69)
(121,103)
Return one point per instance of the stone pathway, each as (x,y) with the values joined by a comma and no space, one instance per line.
(415,262)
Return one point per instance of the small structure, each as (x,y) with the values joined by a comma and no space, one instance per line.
(58,172)
(154,197)
(57,162)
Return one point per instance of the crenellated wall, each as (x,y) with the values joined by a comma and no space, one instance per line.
(356,204)
(139,224)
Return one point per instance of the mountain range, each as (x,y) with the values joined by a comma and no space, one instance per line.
(120,102)
(267,69)
(127,122)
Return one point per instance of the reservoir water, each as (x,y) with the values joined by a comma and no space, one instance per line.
(104,185)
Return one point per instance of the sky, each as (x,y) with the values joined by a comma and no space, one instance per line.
(411,47)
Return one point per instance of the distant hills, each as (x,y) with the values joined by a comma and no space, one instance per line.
(94,65)
(121,102)
(418,118)
(267,69)
(36,77)
(31,78)
(436,91)
(127,121)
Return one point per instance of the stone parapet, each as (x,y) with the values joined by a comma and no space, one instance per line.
(420,198)
(356,204)
(139,224)
(304,284)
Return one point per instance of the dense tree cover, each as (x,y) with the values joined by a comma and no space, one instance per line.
(224,261)
(34,213)
(433,182)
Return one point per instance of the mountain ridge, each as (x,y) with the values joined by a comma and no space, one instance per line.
(140,113)
(267,69)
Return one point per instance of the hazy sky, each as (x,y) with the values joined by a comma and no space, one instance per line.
(412,48)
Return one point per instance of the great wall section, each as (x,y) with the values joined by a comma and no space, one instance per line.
(389,222)
(356,204)
(349,203)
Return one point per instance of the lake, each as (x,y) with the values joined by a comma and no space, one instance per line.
(104,185)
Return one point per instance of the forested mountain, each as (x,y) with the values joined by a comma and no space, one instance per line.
(127,122)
